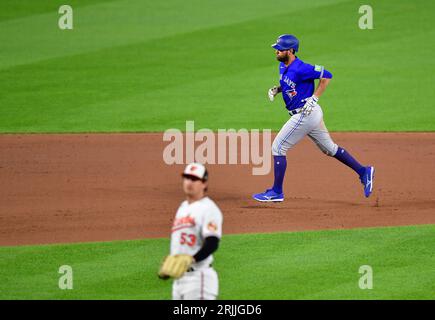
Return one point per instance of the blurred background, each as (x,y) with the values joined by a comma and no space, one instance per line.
(129,66)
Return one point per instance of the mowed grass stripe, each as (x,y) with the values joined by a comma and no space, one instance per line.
(12,9)
(225,70)
(300,265)
(114,23)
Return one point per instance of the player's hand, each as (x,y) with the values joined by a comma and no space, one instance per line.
(272,93)
(175,266)
(309,105)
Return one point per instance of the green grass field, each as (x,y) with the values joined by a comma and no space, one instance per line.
(301,265)
(148,65)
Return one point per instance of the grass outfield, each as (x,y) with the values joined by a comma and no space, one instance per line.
(151,65)
(299,265)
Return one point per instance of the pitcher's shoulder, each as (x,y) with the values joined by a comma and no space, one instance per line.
(208,202)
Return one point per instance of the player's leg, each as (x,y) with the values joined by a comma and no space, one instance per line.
(176,290)
(186,288)
(291,133)
(211,284)
(201,285)
(322,138)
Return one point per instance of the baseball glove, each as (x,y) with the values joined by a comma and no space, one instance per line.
(175,266)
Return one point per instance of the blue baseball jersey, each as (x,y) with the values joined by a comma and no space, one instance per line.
(297,81)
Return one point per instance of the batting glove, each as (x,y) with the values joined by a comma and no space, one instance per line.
(272,93)
(309,105)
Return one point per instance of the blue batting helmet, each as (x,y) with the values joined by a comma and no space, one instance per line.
(286,42)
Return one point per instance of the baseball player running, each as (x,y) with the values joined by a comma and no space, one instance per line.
(301,100)
(196,232)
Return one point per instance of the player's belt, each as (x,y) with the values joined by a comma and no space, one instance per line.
(294,111)
(193,269)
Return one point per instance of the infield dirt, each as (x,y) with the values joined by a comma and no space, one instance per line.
(97,187)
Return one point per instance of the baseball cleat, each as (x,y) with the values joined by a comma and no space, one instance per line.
(367,180)
(269,196)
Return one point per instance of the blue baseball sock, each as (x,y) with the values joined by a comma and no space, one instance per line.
(345,157)
(279,166)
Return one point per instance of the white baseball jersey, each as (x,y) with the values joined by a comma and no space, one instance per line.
(193,223)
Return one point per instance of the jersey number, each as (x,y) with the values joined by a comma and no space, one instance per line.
(189,239)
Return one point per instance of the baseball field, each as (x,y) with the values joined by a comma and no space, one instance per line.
(83,182)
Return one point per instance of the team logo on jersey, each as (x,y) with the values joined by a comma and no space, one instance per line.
(184,222)
(291,93)
(212,227)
